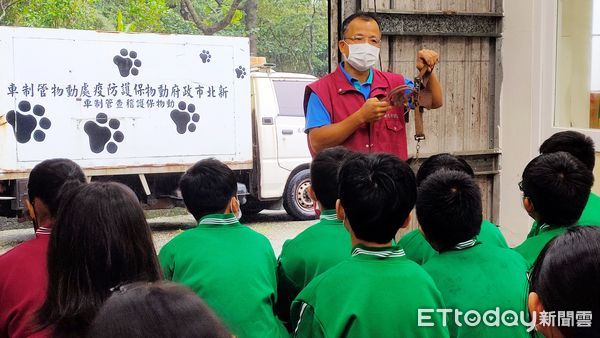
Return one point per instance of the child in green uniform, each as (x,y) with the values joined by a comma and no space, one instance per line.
(228,265)
(377,292)
(322,245)
(555,189)
(564,282)
(471,274)
(582,148)
(414,244)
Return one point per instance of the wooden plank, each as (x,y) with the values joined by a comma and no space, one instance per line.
(455,94)
(454,5)
(478,6)
(334,13)
(429,5)
(468,6)
(349,7)
(385,54)
(462,124)
(404,5)
(374,5)
(485,186)
(473,99)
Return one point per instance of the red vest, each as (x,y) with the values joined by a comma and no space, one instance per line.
(341,100)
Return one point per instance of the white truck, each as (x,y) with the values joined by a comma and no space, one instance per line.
(142,108)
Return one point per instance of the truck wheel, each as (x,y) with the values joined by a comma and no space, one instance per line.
(296,201)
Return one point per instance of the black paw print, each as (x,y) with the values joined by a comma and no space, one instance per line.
(240,72)
(127,63)
(205,56)
(25,125)
(182,117)
(99,136)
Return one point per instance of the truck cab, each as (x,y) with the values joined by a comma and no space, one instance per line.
(281,167)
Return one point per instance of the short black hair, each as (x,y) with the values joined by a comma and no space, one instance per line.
(324,174)
(574,143)
(47,178)
(449,208)
(358,15)
(207,187)
(566,276)
(442,161)
(153,310)
(378,192)
(558,186)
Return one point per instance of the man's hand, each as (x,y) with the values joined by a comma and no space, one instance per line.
(373,110)
(427,58)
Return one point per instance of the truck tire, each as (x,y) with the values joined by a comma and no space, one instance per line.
(296,201)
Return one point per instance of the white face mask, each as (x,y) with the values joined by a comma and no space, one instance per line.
(238,214)
(362,56)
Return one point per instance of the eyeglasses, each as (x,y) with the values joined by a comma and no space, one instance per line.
(521,185)
(363,39)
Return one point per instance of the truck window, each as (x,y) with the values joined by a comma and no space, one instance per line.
(290,97)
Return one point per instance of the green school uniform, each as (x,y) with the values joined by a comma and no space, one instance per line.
(590,215)
(591,212)
(532,247)
(232,268)
(311,253)
(481,277)
(375,293)
(419,250)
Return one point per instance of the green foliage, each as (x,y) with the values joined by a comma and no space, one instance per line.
(145,15)
(290,33)
(77,14)
(121,26)
(174,23)
(293,34)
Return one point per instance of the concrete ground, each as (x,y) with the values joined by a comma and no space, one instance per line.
(277,226)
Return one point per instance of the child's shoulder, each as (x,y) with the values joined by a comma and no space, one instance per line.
(329,281)
(182,237)
(504,253)
(315,235)
(251,233)
(538,241)
(411,236)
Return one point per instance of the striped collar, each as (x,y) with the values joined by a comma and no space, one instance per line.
(219,220)
(45,229)
(328,215)
(547,228)
(544,227)
(377,253)
(467,244)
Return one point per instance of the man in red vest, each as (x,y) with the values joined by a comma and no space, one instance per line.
(349,107)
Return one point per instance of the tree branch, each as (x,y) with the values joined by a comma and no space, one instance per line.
(4,6)
(217,26)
